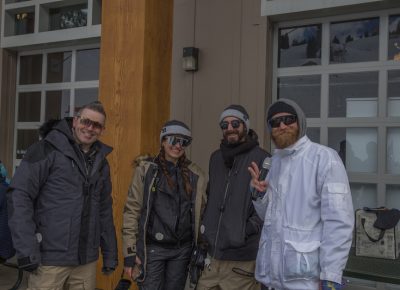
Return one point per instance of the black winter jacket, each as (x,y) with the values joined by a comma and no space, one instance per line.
(60,215)
(231,225)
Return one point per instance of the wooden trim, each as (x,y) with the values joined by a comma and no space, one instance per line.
(135,73)
(7,107)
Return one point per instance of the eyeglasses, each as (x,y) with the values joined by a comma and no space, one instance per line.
(287,120)
(87,123)
(234,123)
(183,142)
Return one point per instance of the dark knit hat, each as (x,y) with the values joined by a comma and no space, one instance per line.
(174,127)
(236,111)
(280,107)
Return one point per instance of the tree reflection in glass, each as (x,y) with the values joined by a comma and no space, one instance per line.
(394,38)
(354,41)
(300,46)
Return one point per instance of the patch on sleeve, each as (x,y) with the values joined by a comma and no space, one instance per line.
(338,187)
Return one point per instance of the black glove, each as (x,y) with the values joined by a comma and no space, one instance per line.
(26,264)
(107,270)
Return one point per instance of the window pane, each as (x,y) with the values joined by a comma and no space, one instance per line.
(313,134)
(394,37)
(68,17)
(29,107)
(59,67)
(24,23)
(300,46)
(354,41)
(87,64)
(393,196)
(85,96)
(25,138)
(304,90)
(30,69)
(393,151)
(363,194)
(353,94)
(57,104)
(394,93)
(356,146)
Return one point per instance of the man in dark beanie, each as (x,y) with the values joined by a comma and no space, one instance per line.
(307,209)
(231,227)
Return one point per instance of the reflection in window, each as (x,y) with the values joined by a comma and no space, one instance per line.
(68,17)
(304,90)
(25,138)
(85,96)
(24,23)
(59,67)
(29,107)
(354,41)
(300,46)
(57,104)
(363,194)
(393,196)
(87,64)
(357,147)
(393,93)
(313,134)
(394,38)
(392,151)
(353,94)
(30,69)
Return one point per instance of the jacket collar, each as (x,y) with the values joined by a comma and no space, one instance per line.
(293,149)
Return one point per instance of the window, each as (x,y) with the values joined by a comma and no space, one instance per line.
(52,84)
(344,72)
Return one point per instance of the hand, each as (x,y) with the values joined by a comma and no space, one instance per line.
(260,185)
(329,285)
(135,271)
(107,270)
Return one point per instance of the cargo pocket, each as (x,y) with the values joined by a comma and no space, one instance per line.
(264,256)
(301,260)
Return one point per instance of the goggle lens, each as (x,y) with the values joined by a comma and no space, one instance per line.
(87,123)
(183,142)
(234,123)
(287,120)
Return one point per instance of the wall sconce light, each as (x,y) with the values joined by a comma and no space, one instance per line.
(190,59)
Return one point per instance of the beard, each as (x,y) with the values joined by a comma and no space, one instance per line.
(286,138)
(234,136)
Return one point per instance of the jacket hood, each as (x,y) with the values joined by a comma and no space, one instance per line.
(301,117)
(64,126)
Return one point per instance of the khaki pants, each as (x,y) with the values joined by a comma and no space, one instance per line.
(63,278)
(229,275)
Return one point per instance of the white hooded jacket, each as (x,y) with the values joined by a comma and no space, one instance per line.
(308,217)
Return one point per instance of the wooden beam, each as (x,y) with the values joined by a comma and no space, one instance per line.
(135,73)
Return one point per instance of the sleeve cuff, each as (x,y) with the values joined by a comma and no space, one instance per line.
(129,261)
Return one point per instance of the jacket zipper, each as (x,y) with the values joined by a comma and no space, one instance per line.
(222,208)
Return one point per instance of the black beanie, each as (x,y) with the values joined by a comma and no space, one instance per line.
(280,107)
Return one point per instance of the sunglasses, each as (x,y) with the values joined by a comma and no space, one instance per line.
(234,123)
(183,142)
(287,120)
(87,123)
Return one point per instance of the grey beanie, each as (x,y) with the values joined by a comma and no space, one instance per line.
(174,127)
(236,111)
(288,106)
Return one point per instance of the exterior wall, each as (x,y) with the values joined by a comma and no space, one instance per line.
(231,37)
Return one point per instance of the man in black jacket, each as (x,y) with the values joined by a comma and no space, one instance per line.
(60,204)
(231,227)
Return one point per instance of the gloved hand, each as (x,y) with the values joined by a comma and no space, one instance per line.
(107,270)
(329,285)
(26,264)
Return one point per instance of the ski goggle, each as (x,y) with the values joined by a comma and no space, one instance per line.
(182,141)
(234,123)
(87,123)
(287,120)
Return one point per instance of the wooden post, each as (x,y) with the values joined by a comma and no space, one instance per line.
(135,73)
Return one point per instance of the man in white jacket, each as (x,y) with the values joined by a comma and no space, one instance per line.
(307,209)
